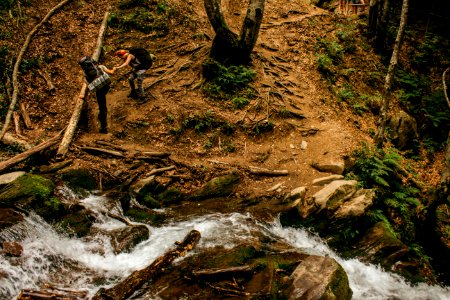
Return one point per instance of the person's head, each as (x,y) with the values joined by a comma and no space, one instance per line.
(121,53)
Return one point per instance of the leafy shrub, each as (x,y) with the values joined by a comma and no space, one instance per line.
(240,102)
(224,82)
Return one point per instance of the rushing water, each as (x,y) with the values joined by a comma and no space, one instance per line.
(79,264)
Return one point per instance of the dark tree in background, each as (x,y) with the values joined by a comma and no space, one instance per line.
(228,47)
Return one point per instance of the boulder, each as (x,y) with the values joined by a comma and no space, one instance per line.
(334,168)
(12,249)
(329,198)
(296,194)
(319,277)
(403,130)
(126,238)
(217,187)
(356,206)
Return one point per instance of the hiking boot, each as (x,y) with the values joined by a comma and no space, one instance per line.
(103,130)
(133,94)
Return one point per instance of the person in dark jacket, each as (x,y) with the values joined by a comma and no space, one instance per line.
(97,83)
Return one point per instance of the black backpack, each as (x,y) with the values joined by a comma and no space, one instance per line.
(90,68)
(142,55)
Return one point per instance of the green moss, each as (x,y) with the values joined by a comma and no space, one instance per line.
(143,216)
(79,179)
(217,187)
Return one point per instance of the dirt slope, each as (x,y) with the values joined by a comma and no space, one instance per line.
(287,79)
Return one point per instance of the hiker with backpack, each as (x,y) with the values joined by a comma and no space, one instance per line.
(98,80)
(140,60)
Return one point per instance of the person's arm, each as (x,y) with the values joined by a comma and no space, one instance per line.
(106,70)
(126,63)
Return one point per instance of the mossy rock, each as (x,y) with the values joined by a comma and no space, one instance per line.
(217,187)
(32,192)
(79,180)
(77,223)
(145,216)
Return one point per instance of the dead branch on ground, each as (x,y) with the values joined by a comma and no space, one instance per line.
(24,155)
(46,77)
(95,151)
(15,80)
(267,172)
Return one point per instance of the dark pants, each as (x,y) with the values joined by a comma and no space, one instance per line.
(103,111)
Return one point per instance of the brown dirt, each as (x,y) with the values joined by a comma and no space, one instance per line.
(287,78)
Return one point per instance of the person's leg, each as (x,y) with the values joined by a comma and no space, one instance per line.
(140,80)
(103,110)
(133,93)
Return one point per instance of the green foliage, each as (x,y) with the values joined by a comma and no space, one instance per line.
(346,36)
(262,127)
(29,64)
(397,200)
(228,146)
(240,102)
(226,82)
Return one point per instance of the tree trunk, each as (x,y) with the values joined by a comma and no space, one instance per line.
(379,137)
(129,285)
(374,10)
(381,29)
(227,46)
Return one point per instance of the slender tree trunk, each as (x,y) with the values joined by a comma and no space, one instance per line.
(374,10)
(227,46)
(379,137)
(381,29)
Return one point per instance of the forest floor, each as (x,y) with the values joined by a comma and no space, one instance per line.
(287,79)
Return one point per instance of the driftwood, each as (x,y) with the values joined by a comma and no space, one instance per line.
(94,151)
(15,80)
(43,74)
(267,172)
(209,274)
(24,155)
(44,295)
(127,287)
(70,131)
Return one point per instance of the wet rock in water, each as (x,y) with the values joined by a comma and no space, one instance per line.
(217,187)
(12,249)
(79,180)
(9,217)
(319,277)
(125,239)
(78,222)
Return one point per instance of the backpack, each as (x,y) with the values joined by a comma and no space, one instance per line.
(143,56)
(94,75)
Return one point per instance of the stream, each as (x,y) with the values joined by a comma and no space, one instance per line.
(88,264)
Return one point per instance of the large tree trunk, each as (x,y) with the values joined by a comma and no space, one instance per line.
(227,46)
(382,25)
(379,137)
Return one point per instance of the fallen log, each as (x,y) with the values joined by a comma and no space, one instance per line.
(25,116)
(267,172)
(70,131)
(16,119)
(208,274)
(45,295)
(150,155)
(115,147)
(129,285)
(94,150)
(15,81)
(161,170)
(24,155)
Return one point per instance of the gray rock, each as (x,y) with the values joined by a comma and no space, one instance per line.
(326,180)
(319,277)
(10,177)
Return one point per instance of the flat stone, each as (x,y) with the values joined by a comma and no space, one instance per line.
(10,177)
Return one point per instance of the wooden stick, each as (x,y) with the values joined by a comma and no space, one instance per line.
(17,64)
(24,155)
(16,119)
(25,116)
(44,75)
(116,147)
(9,139)
(70,131)
(129,285)
(261,171)
(94,150)
(161,170)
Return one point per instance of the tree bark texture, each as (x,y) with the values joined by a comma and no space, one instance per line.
(227,46)
(381,28)
(70,131)
(15,80)
(129,285)
(379,137)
